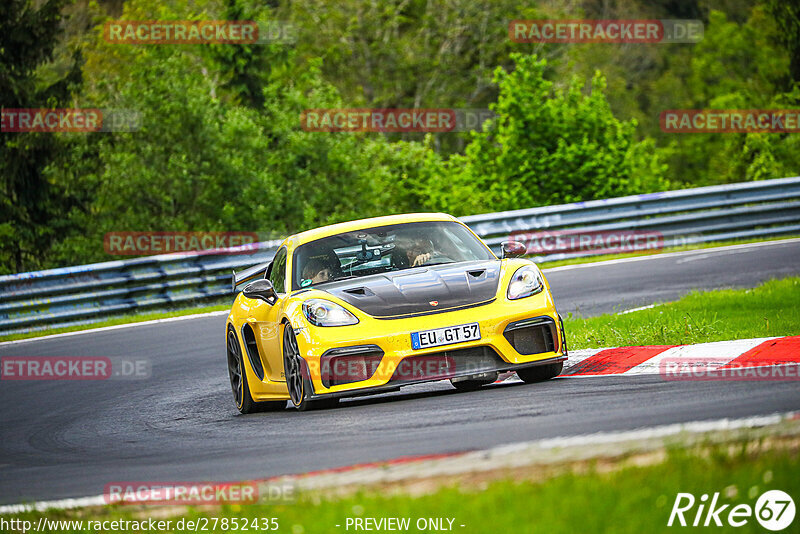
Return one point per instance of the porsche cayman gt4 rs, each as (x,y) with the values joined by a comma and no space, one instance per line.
(369,306)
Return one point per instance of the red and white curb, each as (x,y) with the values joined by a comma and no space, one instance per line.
(647,360)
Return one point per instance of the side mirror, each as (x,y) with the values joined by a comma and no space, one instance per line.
(260,289)
(513,249)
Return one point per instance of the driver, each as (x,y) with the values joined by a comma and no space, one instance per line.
(316,271)
(417,250)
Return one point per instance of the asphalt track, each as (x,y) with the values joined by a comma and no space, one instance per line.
(69,439)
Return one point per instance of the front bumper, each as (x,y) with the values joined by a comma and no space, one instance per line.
(509,341)
(375,390)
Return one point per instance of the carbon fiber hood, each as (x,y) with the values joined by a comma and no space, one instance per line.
(421,290)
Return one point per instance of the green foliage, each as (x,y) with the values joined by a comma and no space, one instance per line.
(221,147)
(28,201)
(736,66)
(547,146)
(201,161)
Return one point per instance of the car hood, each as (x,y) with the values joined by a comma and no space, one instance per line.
(420,290)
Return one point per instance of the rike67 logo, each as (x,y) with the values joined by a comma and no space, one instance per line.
(774,510)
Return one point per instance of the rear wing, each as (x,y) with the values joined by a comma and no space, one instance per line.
(248,275)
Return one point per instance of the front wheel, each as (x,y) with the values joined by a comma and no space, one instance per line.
(540,373)
(297,380)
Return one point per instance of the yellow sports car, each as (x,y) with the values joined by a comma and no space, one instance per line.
(368,306)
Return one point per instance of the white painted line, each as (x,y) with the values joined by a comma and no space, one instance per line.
(61,504)
(118,327)
(706,256)
(640,308)
(712,250)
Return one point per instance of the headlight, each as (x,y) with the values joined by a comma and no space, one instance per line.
(326,313)
(526,281)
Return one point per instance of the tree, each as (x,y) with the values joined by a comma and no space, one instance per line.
(548,146)
(28,201)
(206,159)
(735,66)
(787,17)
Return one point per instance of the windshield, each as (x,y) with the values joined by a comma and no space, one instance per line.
(383,249)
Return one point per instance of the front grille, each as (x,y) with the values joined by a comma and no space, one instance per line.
(447,364)
(532,336)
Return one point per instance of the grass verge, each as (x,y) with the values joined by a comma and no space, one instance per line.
(770,309)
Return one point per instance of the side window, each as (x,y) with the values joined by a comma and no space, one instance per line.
(277,274)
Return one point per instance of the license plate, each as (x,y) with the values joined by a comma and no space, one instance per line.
(445,336)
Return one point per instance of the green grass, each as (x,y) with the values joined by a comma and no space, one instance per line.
(771,309)
(601,497)
(698,246)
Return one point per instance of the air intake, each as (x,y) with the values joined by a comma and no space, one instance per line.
(252,351)
(532,336)
(349,364)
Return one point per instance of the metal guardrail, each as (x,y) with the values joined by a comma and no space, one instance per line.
(89,293)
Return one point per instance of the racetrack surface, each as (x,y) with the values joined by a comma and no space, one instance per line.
(69,439)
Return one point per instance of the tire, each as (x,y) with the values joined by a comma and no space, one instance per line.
(297,377)
(238,377)
(540,373)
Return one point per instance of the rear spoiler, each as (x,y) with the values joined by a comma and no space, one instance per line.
(246,275)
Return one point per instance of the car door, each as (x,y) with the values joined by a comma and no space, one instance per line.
(265,319)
